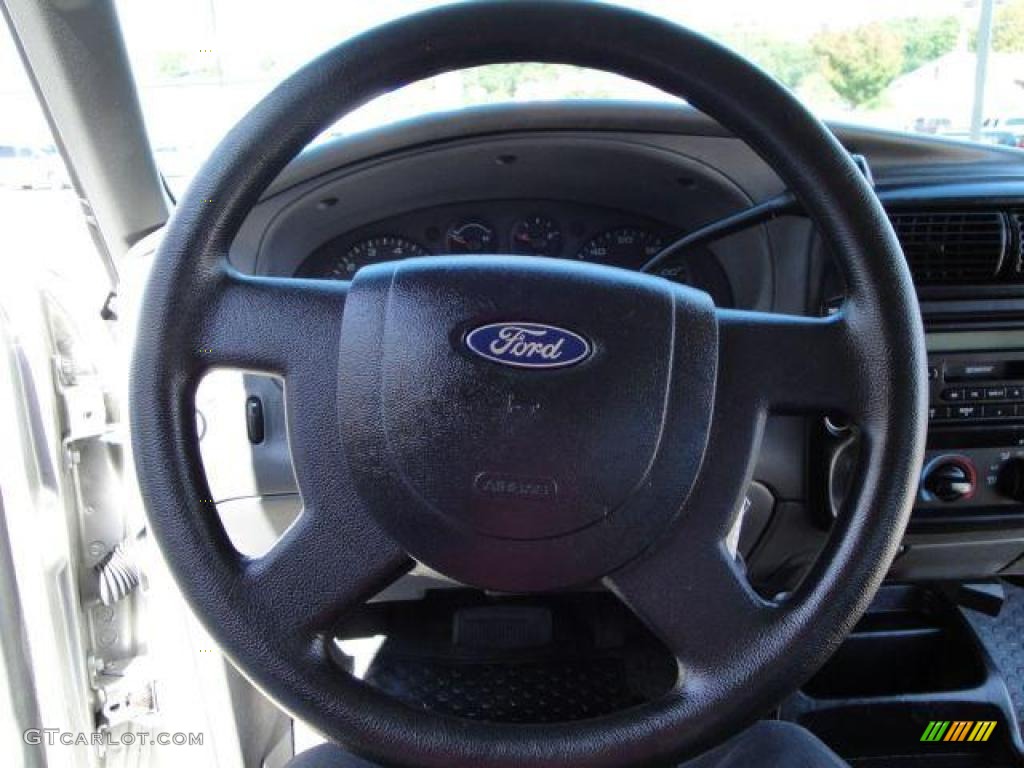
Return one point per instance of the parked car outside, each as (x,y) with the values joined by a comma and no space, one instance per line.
(1001,138)
(1012,125)
(27,167)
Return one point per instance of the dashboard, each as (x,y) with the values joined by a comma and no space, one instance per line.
(614,183)
(545,228)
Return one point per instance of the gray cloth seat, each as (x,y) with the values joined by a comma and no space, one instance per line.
(768,744)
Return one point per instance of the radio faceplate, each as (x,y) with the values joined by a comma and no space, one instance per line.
(972,388)
(974,464)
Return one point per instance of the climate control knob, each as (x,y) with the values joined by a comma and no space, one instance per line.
(948,479)
(1010,480)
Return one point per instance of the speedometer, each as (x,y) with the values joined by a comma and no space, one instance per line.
(677,272)
(373,251)
(632,247)
(624,247)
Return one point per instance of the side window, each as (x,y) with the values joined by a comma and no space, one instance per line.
(44,232)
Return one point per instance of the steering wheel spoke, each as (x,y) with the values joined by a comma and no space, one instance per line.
(690,589)
(327,563)
(696,600)
(268,324)
(787,363)
(334,556)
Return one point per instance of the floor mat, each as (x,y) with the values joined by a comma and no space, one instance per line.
(1003,636)
(527,692)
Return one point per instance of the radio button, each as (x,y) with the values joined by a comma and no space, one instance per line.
(1015,393)
(953,394)
(995,393)
(974,393)
(999,412)
(938,413)
(965,411)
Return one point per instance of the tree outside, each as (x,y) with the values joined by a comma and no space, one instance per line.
(860,63)
(790,61)
(925,40)
(1008,28)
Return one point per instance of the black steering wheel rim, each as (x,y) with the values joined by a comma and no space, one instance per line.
(271,615)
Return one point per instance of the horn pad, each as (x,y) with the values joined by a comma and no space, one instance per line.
(492,407)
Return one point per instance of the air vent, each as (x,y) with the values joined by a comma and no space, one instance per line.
(1017,268)
(945,248)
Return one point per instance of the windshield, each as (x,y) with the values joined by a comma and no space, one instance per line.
(909,66)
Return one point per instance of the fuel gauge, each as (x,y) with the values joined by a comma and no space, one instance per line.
(537,236)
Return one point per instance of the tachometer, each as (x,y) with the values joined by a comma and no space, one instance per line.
(537,236)
(373,251)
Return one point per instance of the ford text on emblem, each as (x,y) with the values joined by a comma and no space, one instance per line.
(528,345)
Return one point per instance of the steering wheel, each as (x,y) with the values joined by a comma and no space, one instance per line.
(522,424)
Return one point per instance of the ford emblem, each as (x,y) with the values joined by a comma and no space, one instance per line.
(528,345)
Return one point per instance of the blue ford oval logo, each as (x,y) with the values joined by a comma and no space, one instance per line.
(528,345)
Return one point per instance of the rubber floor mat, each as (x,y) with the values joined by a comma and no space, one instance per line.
(1003,636)
(524,692)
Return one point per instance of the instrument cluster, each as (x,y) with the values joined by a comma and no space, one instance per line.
(553,230)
